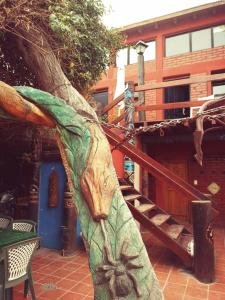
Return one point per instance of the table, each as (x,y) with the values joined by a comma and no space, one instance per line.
(8,237)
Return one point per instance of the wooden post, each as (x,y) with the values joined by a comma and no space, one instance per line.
(34,188)
(69,230)
(129,120)
(204,264)
(141,95)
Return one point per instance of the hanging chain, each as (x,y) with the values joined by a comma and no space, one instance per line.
(131,133)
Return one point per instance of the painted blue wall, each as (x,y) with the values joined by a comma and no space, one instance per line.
(50,219)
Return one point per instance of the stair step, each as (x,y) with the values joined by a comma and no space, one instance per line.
(126,187)
(159,219)
(145,207)
(131,197)
(187,242)
(174,230)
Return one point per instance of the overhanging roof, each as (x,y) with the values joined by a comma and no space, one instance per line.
(181,13)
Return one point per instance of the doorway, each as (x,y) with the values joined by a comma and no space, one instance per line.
(169,199)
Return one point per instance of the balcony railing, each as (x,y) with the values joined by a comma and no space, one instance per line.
(164,106)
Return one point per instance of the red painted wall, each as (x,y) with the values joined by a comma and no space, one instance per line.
(212,171)
(201,62)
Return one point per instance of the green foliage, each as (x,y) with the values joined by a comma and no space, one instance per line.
(87,43)
(74,30)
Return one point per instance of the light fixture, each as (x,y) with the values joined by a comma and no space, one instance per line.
(140,47)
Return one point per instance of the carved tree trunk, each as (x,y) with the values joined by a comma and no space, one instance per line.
(117,256)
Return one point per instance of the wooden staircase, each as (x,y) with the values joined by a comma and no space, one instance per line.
(174,235)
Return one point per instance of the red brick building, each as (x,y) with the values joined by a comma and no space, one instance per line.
(182,46)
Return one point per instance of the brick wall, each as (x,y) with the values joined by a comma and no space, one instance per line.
(150,99)
(213,171)
(194,57)
(198,90)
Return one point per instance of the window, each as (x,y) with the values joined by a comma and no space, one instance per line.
(196,40)
(219,35)
(218,88)
(177,44)
(201,39)
(176,94)
(101,99)
(150,51)
(128,55)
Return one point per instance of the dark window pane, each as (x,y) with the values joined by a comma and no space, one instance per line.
(219,35)
(177,44)
(201,39)
(177,94)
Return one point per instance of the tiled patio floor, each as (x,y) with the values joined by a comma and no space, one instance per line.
(68,278)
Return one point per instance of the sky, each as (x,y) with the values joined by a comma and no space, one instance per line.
(125,12)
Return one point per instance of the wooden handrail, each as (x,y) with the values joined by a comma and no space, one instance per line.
(112,104)
(196,79)
(170,105)
(153,167)
(152,86)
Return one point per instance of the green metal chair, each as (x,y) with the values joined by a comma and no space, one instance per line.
(24,225)
(5,221)
(16,264)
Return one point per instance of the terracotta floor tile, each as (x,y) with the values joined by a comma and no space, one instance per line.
(192,298)
(62,272)
(50,279)
(179,278)
(220,279)
(217,287)
(196,292)
(162,275)
(53,294)
(71,266)
(172,295)
(71,296)
(192,282)
(174,287)
(68,278)
(82,288)
(76,276)
(216,296)
(88,280)
(66,284)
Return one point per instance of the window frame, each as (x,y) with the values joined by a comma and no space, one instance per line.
(190,39)
(128,47)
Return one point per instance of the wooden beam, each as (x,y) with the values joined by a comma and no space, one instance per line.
(171,83)
(170,105)
(112,104)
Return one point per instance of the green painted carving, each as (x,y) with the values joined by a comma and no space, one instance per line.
(118,259)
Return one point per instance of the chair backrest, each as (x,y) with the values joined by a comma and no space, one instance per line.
(17,261)
(5,221)
(24,225)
